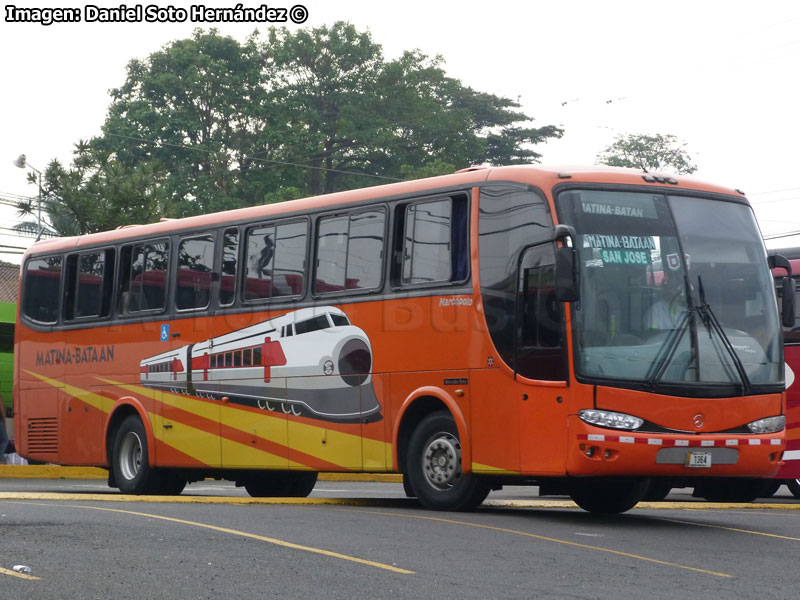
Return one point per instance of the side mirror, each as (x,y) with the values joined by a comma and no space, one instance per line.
(777,261)
(566,265)
(787,302)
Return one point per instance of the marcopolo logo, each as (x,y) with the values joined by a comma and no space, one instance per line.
(456,301)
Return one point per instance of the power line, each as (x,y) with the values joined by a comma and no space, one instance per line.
(774,191)
(776,236)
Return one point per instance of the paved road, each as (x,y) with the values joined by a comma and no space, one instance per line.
(368,541)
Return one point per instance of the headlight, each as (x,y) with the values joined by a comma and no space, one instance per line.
(768,425)
(606,418)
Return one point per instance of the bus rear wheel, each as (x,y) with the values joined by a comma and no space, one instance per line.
(608,495)
(280,484)
(794,487)
(434,468)
(130,460)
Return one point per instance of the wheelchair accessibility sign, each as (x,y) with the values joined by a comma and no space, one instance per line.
(165,332)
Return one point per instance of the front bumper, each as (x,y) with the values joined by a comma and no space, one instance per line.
(594,451)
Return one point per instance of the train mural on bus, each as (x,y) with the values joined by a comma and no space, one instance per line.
(311,362)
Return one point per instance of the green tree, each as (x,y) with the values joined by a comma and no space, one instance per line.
(96,193)
(648,153)
(226,124)
(201,107)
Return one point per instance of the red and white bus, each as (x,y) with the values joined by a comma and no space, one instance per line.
(592,330)
(789,473)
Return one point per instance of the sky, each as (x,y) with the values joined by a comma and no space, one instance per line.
(724,77)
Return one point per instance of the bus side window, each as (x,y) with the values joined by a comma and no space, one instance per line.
(350,252)
(143,277)
(89,285)
(229,267)
(276,259)
(42,289)
(195,261)
(540,353)
(432,242)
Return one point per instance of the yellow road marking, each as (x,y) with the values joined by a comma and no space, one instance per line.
(554,540)
(186,499)
(15,574)
(277,542)
(737,530)
(56,472)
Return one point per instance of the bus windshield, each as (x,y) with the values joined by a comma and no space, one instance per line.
(674,293)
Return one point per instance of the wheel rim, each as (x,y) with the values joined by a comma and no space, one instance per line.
(441,461)
(130,455)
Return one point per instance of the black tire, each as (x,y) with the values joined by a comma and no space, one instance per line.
(732,489)
(434,468)
(172,484)
(409,491)
(608,495)
(769,488)
(657,490)
(281,484)
(130,460)
(301,483)
(794,487)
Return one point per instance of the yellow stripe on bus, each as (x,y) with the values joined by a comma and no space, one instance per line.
(342,449)
(479,468)
(90,398)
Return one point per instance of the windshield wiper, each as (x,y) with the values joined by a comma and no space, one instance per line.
(664,357)
(712,324)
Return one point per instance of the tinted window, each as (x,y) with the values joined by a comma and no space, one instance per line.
(89,291)
(426,248)
(510,220)
(350,252)
(433,246)
(365,250)
(290,260)
(195,259)
(228,270)
(42,289)
(331,254)
(540,354)
(145,284)
(276,257)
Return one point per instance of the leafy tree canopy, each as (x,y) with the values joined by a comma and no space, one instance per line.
(218,124)
(96,193)
(648,153)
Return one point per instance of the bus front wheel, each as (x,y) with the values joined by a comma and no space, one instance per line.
(608,495)
(130,460)
(434,467)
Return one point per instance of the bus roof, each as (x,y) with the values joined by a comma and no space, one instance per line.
(543,176)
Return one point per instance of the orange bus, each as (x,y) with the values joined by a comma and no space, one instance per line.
(586,330)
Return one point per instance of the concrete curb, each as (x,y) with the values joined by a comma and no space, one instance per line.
(56,472)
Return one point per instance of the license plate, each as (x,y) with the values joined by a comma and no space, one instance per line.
(700,460)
